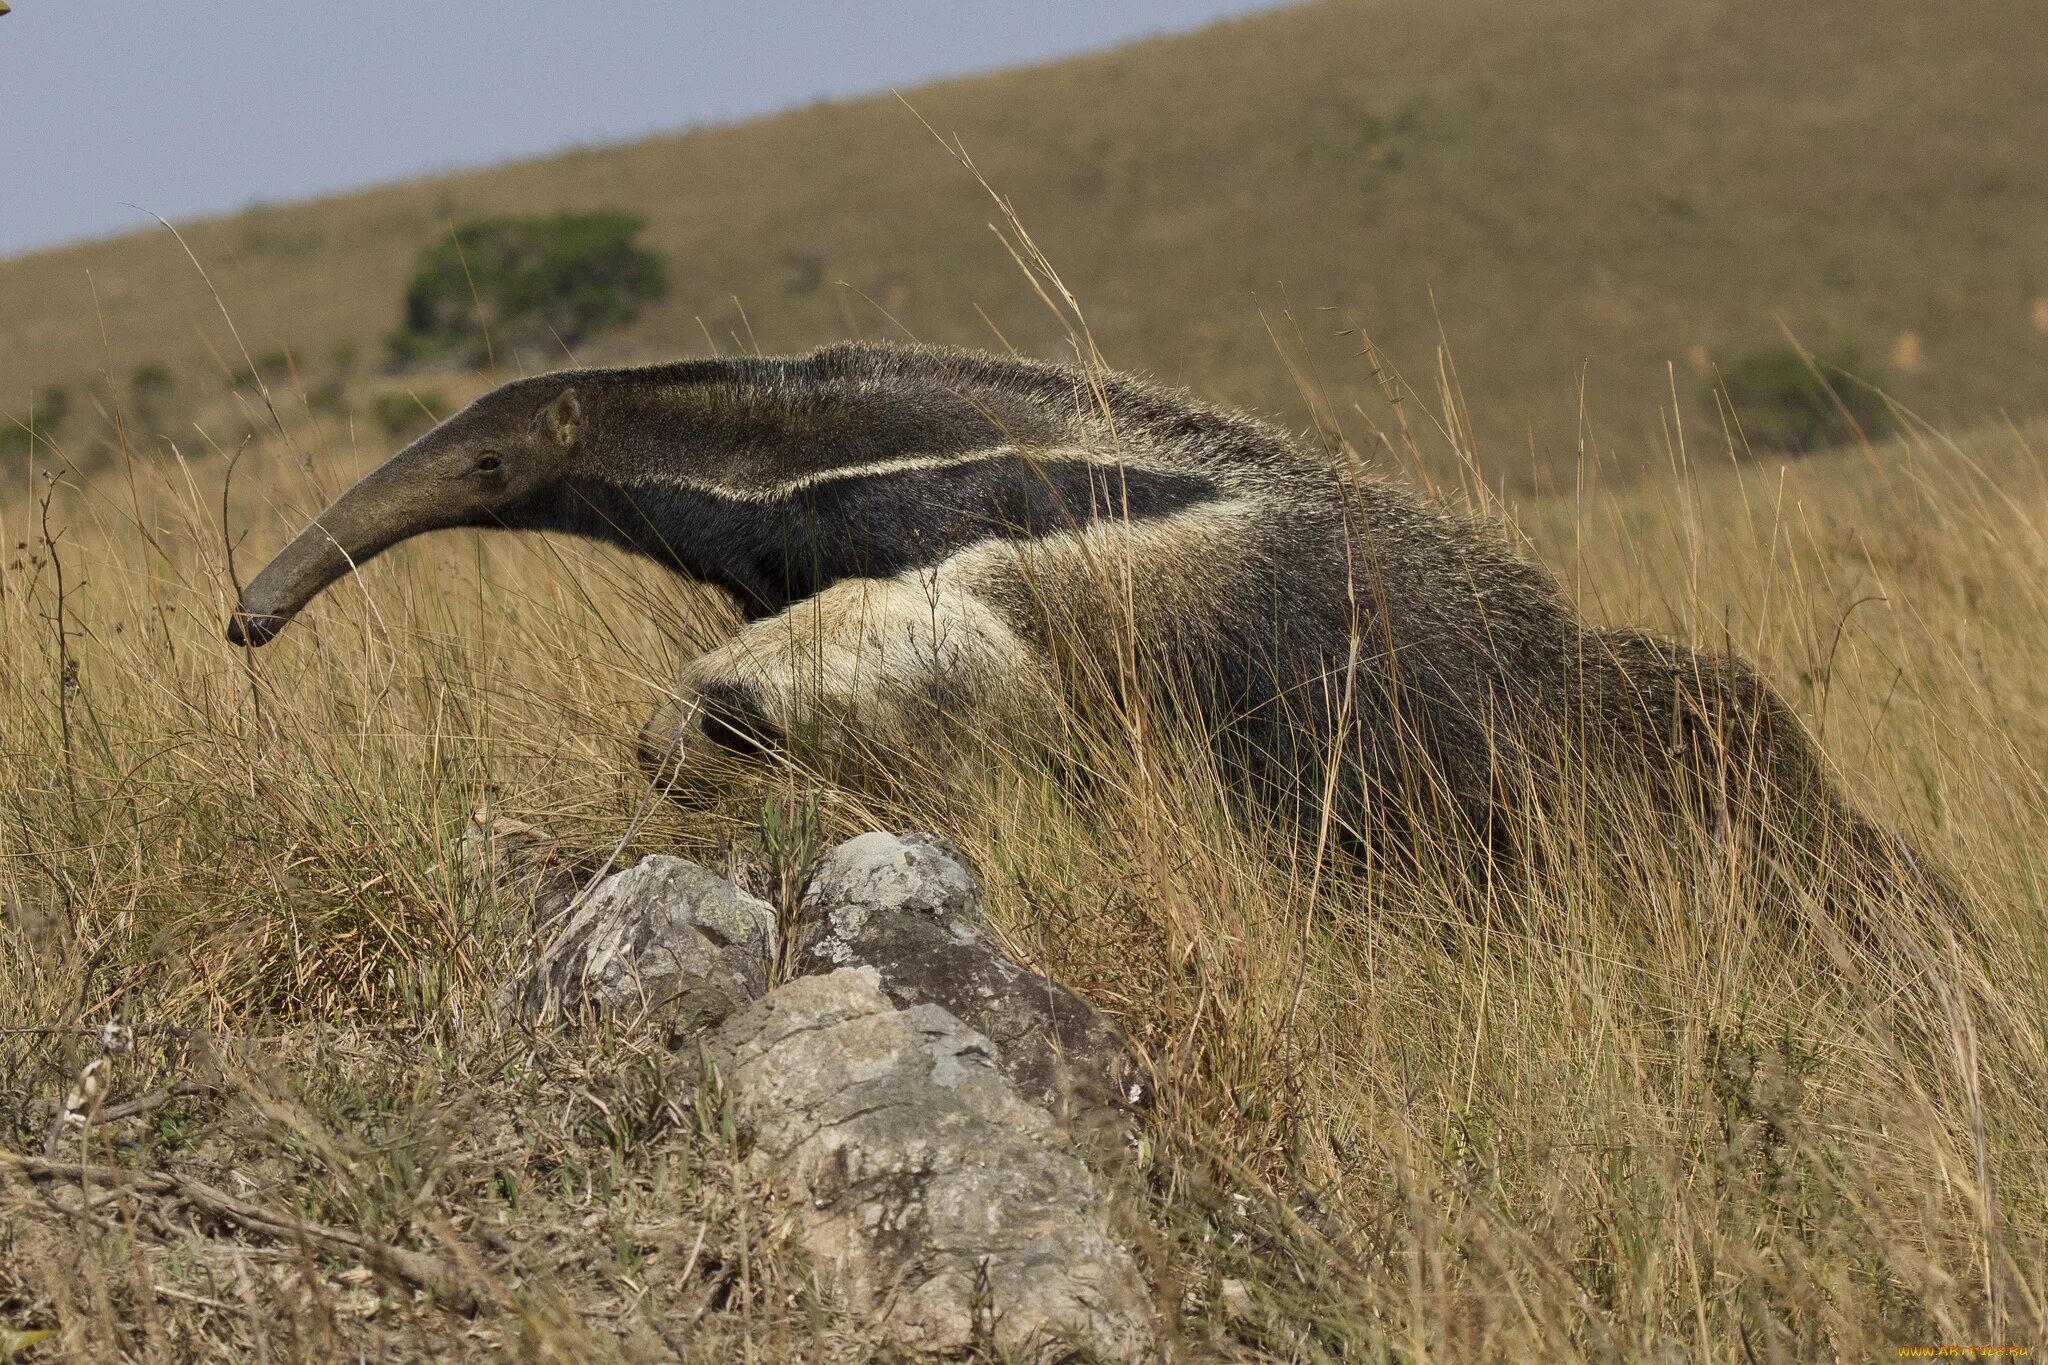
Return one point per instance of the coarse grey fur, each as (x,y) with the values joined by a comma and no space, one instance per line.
(981,529)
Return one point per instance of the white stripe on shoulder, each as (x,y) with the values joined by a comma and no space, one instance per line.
(784,489)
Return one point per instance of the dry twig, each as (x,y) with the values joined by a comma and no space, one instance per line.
(413,1268)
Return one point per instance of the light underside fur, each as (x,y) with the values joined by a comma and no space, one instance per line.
(884,661)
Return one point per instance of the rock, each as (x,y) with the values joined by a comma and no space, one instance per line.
(915,1095)
(908,907)
(931,1196)
(663,939)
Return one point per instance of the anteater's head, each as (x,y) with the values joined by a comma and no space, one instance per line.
(492,464)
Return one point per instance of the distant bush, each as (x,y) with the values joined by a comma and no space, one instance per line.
(150,381)
(272,367)
(148,390)
(404,415)
(331,394)
(40,422)
(528,281)
(1786,403)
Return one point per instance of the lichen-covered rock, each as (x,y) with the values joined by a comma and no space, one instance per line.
(916,1096)
(909,907)
(665,939)
(929,1193)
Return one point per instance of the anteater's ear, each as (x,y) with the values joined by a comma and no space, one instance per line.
(564,418)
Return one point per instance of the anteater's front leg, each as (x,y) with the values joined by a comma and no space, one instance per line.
(867,667)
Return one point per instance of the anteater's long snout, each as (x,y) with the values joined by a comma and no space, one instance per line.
(301,571)
(386,506)
(251,628)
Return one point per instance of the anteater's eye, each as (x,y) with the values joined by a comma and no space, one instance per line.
(487,464)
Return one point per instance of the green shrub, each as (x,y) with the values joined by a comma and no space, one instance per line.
(1786,403)
(331,394)
(526,281)
(272,367)
(148,390)
(406,414)
(40,422)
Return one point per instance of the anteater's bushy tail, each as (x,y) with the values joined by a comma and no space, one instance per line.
(1717,745)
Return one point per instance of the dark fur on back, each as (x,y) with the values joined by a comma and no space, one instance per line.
(1445,677)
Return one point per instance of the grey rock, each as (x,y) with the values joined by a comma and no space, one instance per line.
(909,907)
(931,1196)
(664,939)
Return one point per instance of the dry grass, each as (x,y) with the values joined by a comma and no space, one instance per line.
(1553,185)
(1586,1117)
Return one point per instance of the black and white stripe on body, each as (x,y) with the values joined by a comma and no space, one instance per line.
(868,507)
(912,532)
(778,478)
(886,519)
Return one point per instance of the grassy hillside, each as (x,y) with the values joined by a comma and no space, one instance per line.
(1598,1114)
(1568,186)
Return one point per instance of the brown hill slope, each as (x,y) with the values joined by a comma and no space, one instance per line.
(1565,183)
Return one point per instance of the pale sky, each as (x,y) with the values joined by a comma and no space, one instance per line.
(190,107)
